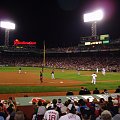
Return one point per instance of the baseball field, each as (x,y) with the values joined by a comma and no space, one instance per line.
(28,81)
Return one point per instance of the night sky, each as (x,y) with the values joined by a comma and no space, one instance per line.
(58,22)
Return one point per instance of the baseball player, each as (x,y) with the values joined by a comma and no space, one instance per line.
(19,70)
(97,70)
(103,71)
(93,78)
(41,77)
(52,74)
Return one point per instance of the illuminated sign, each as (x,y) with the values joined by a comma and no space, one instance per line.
(93,43)
(106,42)
(17,42)
(87,43)
(104,37)
(90,38)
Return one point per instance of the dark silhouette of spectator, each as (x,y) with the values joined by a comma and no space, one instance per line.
(54,106)
(41,110)
(85,112)
(105,91)
(19,115)
(117,90)
(81,92)
(96,91)
(69,93)
(86,91)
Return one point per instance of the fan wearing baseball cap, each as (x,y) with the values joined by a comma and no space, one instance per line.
(71,113)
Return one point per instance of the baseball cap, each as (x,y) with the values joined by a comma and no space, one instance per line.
(59,100)
(70,106)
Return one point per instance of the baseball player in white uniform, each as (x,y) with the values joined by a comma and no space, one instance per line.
(52,75)
(19,70)
(94,76)
(103,71)
(97,70)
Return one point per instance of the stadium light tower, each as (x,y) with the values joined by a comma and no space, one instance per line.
(8,26)
(93,17)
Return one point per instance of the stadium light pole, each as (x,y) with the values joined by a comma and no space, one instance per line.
(93,17)
(8,26)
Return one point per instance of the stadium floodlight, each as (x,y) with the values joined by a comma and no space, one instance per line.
(8,26)
(93,17)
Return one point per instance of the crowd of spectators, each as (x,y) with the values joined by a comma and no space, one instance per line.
(83,61)
(8,110)
(81,109)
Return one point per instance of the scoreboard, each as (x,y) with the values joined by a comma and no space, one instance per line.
(94,40)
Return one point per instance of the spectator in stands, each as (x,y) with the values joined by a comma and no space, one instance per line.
(71,113)
(102,103)
(41,110)
(77,107)
(69,93)
(105,91)
(11,112)
(117,116)
(52,113)
(86,113)
(81,92)
(54,106)
(96,91)
(2,113)
(19,115)
(64,108)
(118,90)
(105,115)
(59,103)
(11,101)
(86,91)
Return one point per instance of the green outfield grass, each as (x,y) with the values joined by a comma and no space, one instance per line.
(110,81)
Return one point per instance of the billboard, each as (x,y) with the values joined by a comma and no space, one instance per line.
(104,37)
(17,42)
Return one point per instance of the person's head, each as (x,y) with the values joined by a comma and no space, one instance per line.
(71,109)
(82,88)
(106,115)
(9,110)
(102,100)
(39,103)
(54,101)
(66,103)
(96,88)
(10,98)
(86,113)
(19,115)
(59,100)
(109,98)
(1,105)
